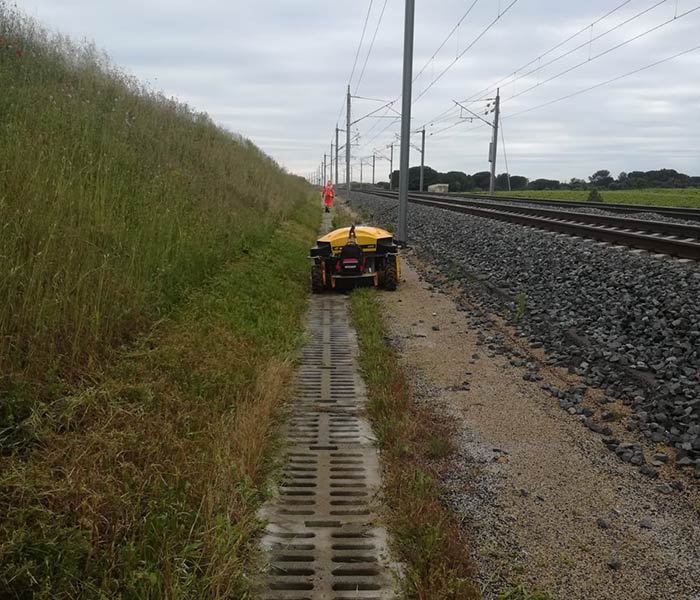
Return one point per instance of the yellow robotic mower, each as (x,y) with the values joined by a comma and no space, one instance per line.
(353,256)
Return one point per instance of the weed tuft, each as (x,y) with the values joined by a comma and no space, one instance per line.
(425,536)
(438,447)
(594,196)
(520,592)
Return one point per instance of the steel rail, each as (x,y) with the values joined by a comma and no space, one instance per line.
(660,227)
(679,212)
(645,239)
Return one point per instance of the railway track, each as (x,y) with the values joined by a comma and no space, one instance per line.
(679,240)
(690,214)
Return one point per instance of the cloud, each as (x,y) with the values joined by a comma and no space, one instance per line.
(276,72)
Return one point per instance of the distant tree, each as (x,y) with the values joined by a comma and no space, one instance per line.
(395,180)
(518,182)
(601,178)
(482,180)
(458,181)
(544,184)
(502,182)
(622,182)
(383,184)
(667,178)
(430,176)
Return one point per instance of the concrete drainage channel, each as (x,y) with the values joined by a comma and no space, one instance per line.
(322,540)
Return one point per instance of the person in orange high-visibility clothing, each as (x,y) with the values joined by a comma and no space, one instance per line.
(328,195)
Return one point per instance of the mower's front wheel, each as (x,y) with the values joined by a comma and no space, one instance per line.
(316,279)
(391,279)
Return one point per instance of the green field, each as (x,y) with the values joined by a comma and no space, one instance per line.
(689,197)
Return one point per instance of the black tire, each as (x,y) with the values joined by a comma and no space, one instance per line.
(316,279)
(391,279)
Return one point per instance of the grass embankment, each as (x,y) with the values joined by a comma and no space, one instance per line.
(689,197)
(152,288)
(114,200)
(426,536)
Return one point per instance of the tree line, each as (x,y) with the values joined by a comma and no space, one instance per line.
(600,180)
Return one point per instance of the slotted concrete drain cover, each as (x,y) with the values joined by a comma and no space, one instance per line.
(322,538)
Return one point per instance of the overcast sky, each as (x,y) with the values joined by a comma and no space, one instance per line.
(276,71)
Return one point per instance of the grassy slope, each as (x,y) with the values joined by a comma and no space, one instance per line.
(114,200)
(425,535)
(152,286)
(146,482)
(659,197)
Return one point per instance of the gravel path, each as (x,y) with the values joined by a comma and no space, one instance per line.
(544,501)
(626,323)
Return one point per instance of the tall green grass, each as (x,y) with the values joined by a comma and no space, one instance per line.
(153,282)
(425,535)
(114,200)
(144,483)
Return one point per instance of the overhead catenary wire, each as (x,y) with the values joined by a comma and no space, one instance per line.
(447,39)
(579,92)
(362,39)
(371,46)
(589,58)
(592,39)
(491,24)
(522,72)
(538,59)
(354,66)
(372,113)
(606,52)
(603,83)
(558,45)
(460,122)
(463,52)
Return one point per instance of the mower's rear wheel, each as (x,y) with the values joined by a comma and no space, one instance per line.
(391,278)
(316,279)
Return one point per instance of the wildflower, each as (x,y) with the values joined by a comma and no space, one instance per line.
(18,52)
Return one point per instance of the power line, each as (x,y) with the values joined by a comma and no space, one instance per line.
(458,57)
(382,132)
(461,54)
(369,52)
(539,58)
(362,39)
(605,52)
(607,82)
(447,39)
(593,39)
(460,122)
(500,82)
(590,58)
(581,91)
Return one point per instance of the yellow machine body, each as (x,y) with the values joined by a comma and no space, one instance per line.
(353,256)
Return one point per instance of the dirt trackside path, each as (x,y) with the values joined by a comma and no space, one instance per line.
(547,504)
